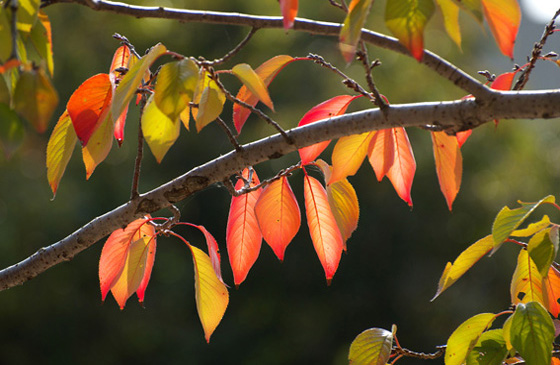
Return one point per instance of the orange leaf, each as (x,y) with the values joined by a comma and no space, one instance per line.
(381,152)
(449,165)
(150,259)
(551,293)
(289,12)
(348,155)
(267,72)
(503,81)
(327,109)
(120,60)
(90,105)
(243,236)
(463,136)
(503,17)
(323,228)
(59,150)
(278,215)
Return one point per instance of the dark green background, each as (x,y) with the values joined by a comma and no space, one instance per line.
(283,313)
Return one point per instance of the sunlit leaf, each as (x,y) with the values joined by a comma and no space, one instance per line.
(358,11)
(526,283)
(243,235)
(542,248)
(474,7)
(210,99)
(98,146)
(327,109)
(508,220)
(463,263)
(150,260)
(12,131)
(507,332)
(348,155)
(121,59)
(504,18)
(503,81)
(27,14)
(371,347)
(323,228)
(450,12)
(175,87)
(532,333)
(90,105)
(406,19)
(490,349)
(532,228)
(551,292)
(159,131)
(253,82)
(267,72)
(465,337)
(213,250)
(278,215)
(59,150)
(289,12)
(463,136)
(449,165)
(42,40)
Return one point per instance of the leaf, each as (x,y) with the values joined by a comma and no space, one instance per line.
(327,109)
(348,155)
(373,346)
(450,12)
(463,136)
(27,14)
(551,294)
(159,131)
(532,228)
(175,87)
(449,165)
(267,72)
(243,235)
(504,18)
(490,349)
(278,215)
(41,38)
(5,35)
(12,131)
(211,294)
(253,82)
(323,228)
(133,79)
(122,265)
(465,337)
(474,7)
(526,284)
(503,81)
(542,249)
(463,263)
(98,146)
(213,250)
(121,59)
(90,105)
(59,150)
(358,11)
(532,333)
(35,99)
(289,12)
(508,220)
(406,20)
(150,259)
(210,99)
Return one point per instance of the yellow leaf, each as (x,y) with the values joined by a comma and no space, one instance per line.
(210,100)
(464,338)
(344,205)
(98,146)
(159,131)
(351,30)
(175,87)
(450,12)
(59,150)
(253,82)
(526,284)
(532,228)
(348,155)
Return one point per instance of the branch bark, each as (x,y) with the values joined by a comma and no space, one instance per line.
(451,116)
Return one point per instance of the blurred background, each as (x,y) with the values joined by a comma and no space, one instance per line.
(283,313)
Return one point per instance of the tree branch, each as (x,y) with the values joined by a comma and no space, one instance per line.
(433,61)
(451,116)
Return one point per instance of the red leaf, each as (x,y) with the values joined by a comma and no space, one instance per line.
(278,215)
(289,12)
(503,17)
(463,136)
(449,165)
(243,236)
(552,291)
(89,105)
(327,109)
(323,228)
(503,81)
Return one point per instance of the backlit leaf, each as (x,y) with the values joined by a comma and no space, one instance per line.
(121,59)
(449,165)
(243,235)
(381,152)
(27,14)
(323,228)
(371,347)
(210,99)
(358,11)
(406,19)
(526,284)
(532,228)
(465,337)
(12,131)
(98,146)
(278,215)
(211,293)
(42,40)
(503,81)
(474,7)
(463,263)
(542,248)
(348,155)
(289,12)
(508,220)
(463,136)
(503,17)
(551,291)
(253,82)
(150,259)
(490,349)
(267,72)
(159,131)
(59,150)
(450,12)
(175,87)
(532,333)
(90,105)
(213,250)
(327,109)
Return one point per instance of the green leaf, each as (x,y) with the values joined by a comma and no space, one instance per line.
(27,14)
(175,87)
(358,11)
(490,349)
(465,337)
(406,19)
(371,347)
(42,41)
(12,131)
(542,248)
(508,220)
(532,333)
(159,131)
(5,35)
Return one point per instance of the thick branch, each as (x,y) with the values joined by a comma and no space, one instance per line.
(451,116)
(433,61)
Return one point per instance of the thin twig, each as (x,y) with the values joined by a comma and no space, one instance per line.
(139,152)
(363,56)
(233,52)
(419,355)
(230,135)
(247,188)
(126,42)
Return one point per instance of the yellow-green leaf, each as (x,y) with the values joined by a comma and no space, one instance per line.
(344,205)
(348,155)
(474,7)
(532,228)
(450,12)
(371,347)
(358,11)
(526,284)
(463,263)
(532,333)
(175,87)
(542,249)
(42,40)
(465,337)
(507,332)
(253,82)
(59,150)
(490,349)
(210,99)
(5,35)
(159,131)
(98,146)
(27,14)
